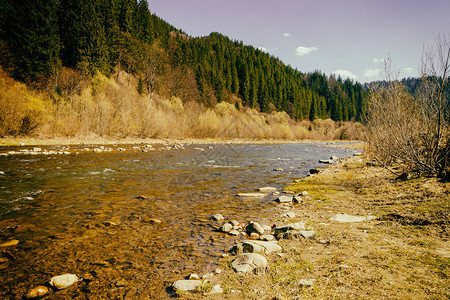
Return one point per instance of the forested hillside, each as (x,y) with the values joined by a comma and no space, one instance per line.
(55,45)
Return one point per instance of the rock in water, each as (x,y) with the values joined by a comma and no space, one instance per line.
(186,285)
(254,195)
(227,227)
(63,281)
(267,189)
(246,262)
(37,292)
(217,217)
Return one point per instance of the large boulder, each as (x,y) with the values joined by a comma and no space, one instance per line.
(246,262)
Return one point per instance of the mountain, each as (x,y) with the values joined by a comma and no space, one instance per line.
(40,40)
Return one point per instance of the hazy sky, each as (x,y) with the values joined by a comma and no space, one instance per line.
(349,37)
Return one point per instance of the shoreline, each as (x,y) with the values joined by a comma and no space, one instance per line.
(12,142)
(406,236)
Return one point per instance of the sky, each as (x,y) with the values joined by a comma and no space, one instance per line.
(346,37)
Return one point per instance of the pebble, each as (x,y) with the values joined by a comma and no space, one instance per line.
(254,236)
(37,292)
(234,232)
(267,237)
(217,271)
(194,276)
(63,281)
(227,227)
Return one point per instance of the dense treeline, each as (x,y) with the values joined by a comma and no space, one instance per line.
(43,42)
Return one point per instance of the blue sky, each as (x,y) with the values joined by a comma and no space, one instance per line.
(346,37)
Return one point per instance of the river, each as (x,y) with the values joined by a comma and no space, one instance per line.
(91,213)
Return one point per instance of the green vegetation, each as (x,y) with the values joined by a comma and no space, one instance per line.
(58,46)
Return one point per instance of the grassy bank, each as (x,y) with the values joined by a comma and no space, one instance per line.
(403,254)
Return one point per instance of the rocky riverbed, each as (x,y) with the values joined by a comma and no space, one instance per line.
(130,220)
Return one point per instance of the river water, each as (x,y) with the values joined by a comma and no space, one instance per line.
(81,212)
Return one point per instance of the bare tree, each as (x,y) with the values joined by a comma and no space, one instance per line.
(414,128)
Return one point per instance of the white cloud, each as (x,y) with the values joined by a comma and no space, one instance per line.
(345,74)
(263,49)
(408,70)
(378,60)
(286,34)
(302,51)
(371,73)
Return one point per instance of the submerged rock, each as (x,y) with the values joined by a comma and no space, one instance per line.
(227,227)
(63,281)
(186,285)
(37,292)
(326,161)
(9,243)
(255,195)
(345,218)
(247,262)
(217,217)
(267,189)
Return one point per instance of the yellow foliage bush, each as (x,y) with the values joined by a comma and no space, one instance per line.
(113,108)
(21,110)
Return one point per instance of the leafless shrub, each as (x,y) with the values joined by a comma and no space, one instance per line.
(414,128)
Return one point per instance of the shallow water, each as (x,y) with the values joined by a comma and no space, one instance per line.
(80,213)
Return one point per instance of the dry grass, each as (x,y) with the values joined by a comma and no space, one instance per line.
(405,254)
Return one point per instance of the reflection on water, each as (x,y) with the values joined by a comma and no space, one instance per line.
(81,213)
